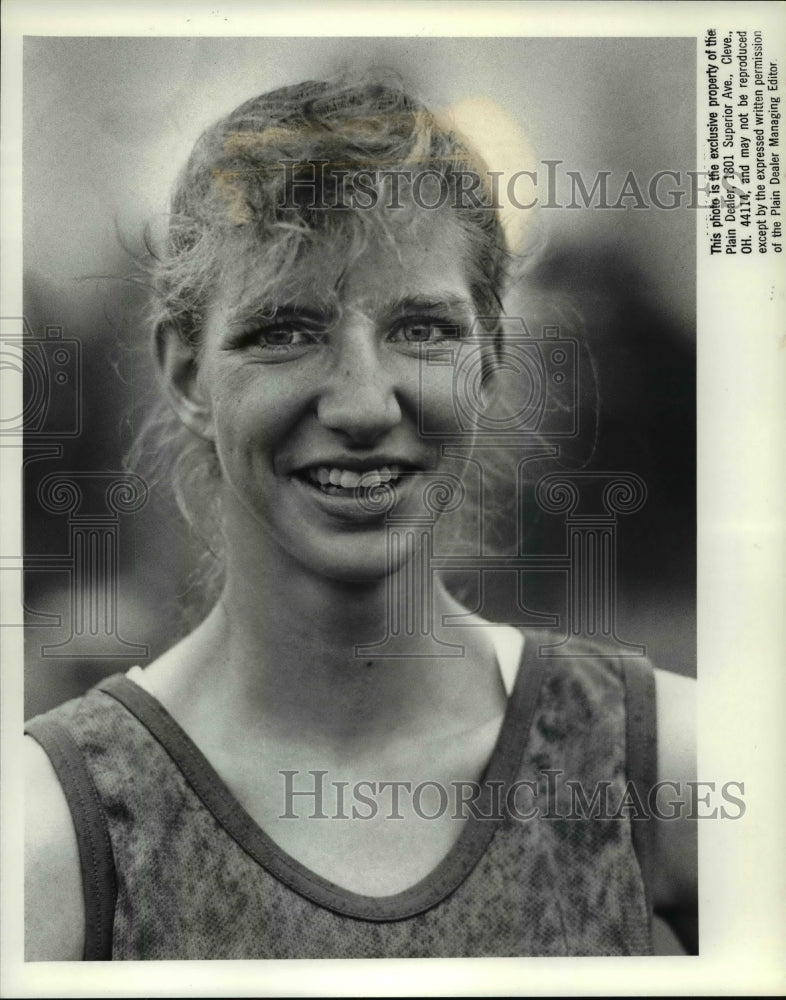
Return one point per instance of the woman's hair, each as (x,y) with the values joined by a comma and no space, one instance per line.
(283,172)
(303,163)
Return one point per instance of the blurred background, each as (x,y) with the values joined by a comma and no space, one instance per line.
(107,124)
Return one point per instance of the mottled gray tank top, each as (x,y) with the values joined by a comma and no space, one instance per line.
(174,868)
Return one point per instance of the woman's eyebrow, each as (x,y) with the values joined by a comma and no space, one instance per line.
(453,305)
(449,306)
(272,310)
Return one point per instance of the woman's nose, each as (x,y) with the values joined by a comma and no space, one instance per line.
(359,398)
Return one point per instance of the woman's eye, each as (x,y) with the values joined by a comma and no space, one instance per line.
(425,333)
(417,333)
(278,337)
(282,337)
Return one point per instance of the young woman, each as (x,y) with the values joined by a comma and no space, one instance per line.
(269,787)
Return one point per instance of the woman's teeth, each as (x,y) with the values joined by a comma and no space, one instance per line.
(346,479)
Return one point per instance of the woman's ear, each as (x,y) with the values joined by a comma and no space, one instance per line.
(177,365)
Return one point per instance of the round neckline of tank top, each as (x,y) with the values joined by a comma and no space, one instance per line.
(434,887)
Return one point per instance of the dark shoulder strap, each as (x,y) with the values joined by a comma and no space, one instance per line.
(99,880)
(641,757)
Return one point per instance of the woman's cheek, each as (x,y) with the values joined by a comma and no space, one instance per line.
(438,414)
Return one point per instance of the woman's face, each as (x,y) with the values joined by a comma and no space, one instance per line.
(319,380)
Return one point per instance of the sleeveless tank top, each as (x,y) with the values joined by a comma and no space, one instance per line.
(551,862)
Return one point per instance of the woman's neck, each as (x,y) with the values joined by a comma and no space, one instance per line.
(278,655)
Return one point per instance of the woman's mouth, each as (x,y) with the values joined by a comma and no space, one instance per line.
(338,482)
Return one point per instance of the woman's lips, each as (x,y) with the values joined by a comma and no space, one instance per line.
(354,495)
(332,479)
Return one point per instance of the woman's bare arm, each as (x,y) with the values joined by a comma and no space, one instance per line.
(54,905)
(675,868)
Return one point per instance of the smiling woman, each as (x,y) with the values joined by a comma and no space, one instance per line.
(329,384)
(279,784)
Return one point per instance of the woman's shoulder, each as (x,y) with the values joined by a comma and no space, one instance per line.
(65,841)
(675,866)
(54,905)
(81,758)
(675,700)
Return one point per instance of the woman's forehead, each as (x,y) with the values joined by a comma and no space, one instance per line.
(420,258)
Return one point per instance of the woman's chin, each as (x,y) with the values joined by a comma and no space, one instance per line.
(362,562)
